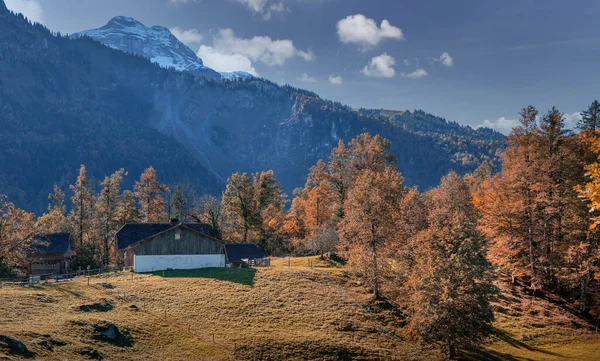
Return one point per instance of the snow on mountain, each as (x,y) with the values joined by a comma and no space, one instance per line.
(155,43)
(235,75)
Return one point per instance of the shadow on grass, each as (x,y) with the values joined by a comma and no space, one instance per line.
(243,276)
(481,354)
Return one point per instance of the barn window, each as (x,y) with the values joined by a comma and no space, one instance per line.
(177,236)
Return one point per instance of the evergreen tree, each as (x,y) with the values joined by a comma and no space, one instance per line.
(450,285)
(239,208)
(207,209)
(179,204)
(590,118)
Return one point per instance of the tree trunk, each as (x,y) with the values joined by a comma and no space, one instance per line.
(375,269)
(451,352)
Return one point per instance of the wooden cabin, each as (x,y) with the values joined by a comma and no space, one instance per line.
(51,254)
(148,247)
(245,255)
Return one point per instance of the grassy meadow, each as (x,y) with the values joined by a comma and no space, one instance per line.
(300,309)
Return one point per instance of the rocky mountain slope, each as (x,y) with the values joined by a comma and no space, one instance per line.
(67,101)
(155,43)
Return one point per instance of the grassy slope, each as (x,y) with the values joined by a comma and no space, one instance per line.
(273,313)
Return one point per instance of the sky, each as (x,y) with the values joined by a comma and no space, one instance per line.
(471,61)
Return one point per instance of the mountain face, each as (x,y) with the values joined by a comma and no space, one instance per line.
(64,102)
(155,43)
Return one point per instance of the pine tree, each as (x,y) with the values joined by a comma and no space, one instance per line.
(450,285)
(590,118)
(179,204)
(149,193)
(239,207)
(207,209)
(270,201)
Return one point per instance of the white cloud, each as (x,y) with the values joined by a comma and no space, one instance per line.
(30,8)
(335,79)
(225,62)
(364,31)
(188,37)
(572,119)
(259,48)
(419,73)
(446,59)
(264,7)
(501,124)
(381,66)
(406,62)
(307,79)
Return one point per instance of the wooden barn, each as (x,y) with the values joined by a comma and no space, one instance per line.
(245,255)
(148,247)
(51,255)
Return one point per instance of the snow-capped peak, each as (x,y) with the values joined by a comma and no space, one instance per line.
(155,43)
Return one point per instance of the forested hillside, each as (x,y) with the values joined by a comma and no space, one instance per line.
(65,102)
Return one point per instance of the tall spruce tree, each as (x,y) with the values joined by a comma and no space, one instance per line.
(450,285)
(590,118)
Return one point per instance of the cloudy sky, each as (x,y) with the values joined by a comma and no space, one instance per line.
(476,62)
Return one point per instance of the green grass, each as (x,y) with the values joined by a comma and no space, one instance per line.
(244,276)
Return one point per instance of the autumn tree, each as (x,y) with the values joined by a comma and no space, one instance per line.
(106,206)
(126,211)
(270,202)
(82,207)
(55,219)
(207,209)
(16,236)
(450,284)
(367,229)
(149,193)
(239,208)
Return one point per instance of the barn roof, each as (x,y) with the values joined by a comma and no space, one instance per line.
(52,243)
(235,252)
(132,233)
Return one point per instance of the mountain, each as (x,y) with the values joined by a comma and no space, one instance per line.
(66,101)
(156,43)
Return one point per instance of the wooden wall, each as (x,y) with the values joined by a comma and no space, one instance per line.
(190,242)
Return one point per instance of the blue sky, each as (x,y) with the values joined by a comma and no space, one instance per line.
(476,62)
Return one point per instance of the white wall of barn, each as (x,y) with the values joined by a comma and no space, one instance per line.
(185,261)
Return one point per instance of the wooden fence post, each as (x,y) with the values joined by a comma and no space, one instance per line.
(213,338)
(234,348)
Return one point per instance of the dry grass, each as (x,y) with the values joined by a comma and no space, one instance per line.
(276,313)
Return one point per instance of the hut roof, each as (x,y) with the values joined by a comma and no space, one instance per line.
(235,252)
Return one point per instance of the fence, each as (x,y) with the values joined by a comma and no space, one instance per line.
(53,277)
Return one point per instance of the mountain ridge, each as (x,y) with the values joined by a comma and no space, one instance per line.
(71,101)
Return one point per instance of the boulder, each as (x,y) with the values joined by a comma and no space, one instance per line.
(91,353)
(14,346)
(42,343)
